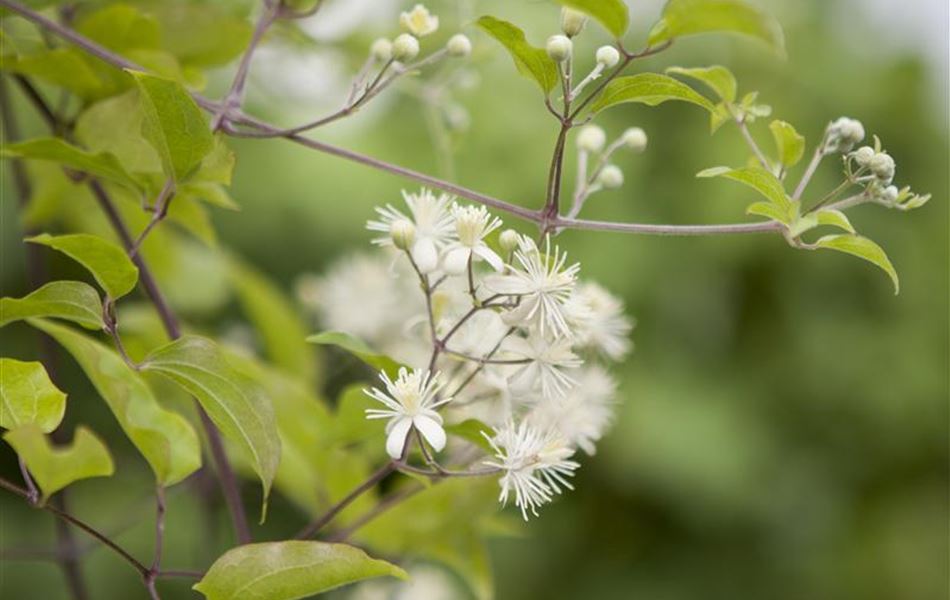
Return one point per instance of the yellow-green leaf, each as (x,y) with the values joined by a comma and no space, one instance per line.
(758,179)
(109,264)
(289,570)
(834,218)
(650,89)
(770,211)
(27,396)
(789,144)
(71,300)
(688,17)
(54,468)
(612,14)
(166,439)
(97,164)
(718,78)
(863,248)
(531,62)
(234,402)
(359,349)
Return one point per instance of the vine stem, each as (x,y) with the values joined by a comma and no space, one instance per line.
(535,216)
(314,527)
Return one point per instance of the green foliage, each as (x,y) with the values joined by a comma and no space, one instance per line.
(63,67)
(359,349)
(647,88)
(863,248)
(173,124)
(531,62)
(471,430)
(113,125)
(289,570)
(719,79)
(71,300)
(237,406)
(55,468)
(109,264)
(28,397)
(761,181)
(612,14)
(789,144)
(166,440)
(97,164)
(121,27)
(202,35)
(687,17)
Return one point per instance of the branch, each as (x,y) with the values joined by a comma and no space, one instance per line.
(315,526)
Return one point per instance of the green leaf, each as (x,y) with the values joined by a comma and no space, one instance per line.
(289,570)
(202,34)
(863,248)
(71,300)
(114,125)
(531,62)
(276,320)
(166,439)
(650,89)
(173,124)
(718,78)
(471,430)
(688,17)
(55,468)
(789,144)
(121,27)
(61,67)
(212,193)
(612,14)
(235,403)
(758,179)
(99,164)
(769,211)
(27,396)
(834,218)
(109,264)
(359,349)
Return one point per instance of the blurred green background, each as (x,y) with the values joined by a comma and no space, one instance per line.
(783,426)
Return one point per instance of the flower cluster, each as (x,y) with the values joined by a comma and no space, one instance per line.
(416,23)
(492,325)
(876,169)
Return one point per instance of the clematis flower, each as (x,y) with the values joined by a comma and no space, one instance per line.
(472,225)
(410,402)
(433,226)
(418,21)
(546,371)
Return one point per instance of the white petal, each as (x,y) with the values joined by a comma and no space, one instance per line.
(525,380)
(396,440)
(426,255)
(506,284)
(431,431)
(490,257)
(456,261)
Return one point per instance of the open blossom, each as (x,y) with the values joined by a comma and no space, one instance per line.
(584,414)
(546,371)
(410,402)
(599,321)
(472,224)
(543,285)
(535,465)
(418,21)
(433,226)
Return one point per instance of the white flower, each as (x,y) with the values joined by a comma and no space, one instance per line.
(572,21)
(418,21)
(410,402)
(584,414)
(535,465)
(472,224)
(543,285)
(546,371)
(599,321)
(433,224)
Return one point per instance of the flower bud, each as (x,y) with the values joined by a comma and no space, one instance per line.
(591,138)
(459,45)
(844,134)
(611,177)
(635,139)
(607,56)
(890,194)
(863,155)
(883,167)
(418,21)
(405,47)
(559,48)
(381,50)
(403,233)
(508,240)
(572,21)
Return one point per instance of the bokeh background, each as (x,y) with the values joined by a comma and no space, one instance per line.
(783,426)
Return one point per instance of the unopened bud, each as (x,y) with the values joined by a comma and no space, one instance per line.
(608,56)
(611,177)
(508,240)
(559,48)
(891,194)
(459,45)
(405,47)
(403,233)
(591,138)
(883,167)
(572,21)
(863,155)
(381,50)
(635,139)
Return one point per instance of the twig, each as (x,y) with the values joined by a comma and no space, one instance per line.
(315,526)
(747,136)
